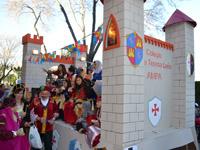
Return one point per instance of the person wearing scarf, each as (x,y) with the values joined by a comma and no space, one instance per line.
(46,112)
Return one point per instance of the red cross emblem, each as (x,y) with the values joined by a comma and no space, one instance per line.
(155,109)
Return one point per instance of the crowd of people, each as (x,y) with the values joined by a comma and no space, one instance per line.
(74,96)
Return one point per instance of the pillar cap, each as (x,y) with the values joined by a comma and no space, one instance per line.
(179,17)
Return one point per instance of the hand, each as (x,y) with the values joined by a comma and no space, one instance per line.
(62,88)
(55,115)
(20,132)
(95,122)
(51,121)
(38,118)
(70,89)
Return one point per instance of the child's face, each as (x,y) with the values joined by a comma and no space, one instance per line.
(65,84)
(19,95)
(78,81)
(60,68)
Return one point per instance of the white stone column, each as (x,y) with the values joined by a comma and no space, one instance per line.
(123,83)
(182,36)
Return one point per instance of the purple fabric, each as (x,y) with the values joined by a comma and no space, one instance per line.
(17,143)
(178,17)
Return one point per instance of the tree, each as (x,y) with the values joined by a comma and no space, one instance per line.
(94,46)
(11,79)
(8,51)
(39,9)
(154,12)
(154,16)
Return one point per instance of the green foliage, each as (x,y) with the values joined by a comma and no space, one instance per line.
(11,79)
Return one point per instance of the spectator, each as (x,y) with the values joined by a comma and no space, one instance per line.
(71,72)
(97,68)
(26,121)
(79,91)
(12,136)
(46,111)
(61,72)
(97,77)
(66,92)
(18,92)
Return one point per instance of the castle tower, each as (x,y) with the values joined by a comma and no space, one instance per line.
(30,44)
(180,31)
(123,83)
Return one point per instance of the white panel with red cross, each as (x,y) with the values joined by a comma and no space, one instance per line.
(154,111)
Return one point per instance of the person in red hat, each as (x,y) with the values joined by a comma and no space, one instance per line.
(46,112)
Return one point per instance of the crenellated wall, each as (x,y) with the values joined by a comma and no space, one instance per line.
(32,71)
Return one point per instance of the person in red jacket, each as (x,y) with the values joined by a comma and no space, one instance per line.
(79,91)
(46,111)
(69,113)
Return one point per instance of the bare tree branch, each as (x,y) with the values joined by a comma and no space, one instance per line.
(68,22)
(5,74)
(93,26)
(74,15)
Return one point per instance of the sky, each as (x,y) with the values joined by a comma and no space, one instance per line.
(57,34)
